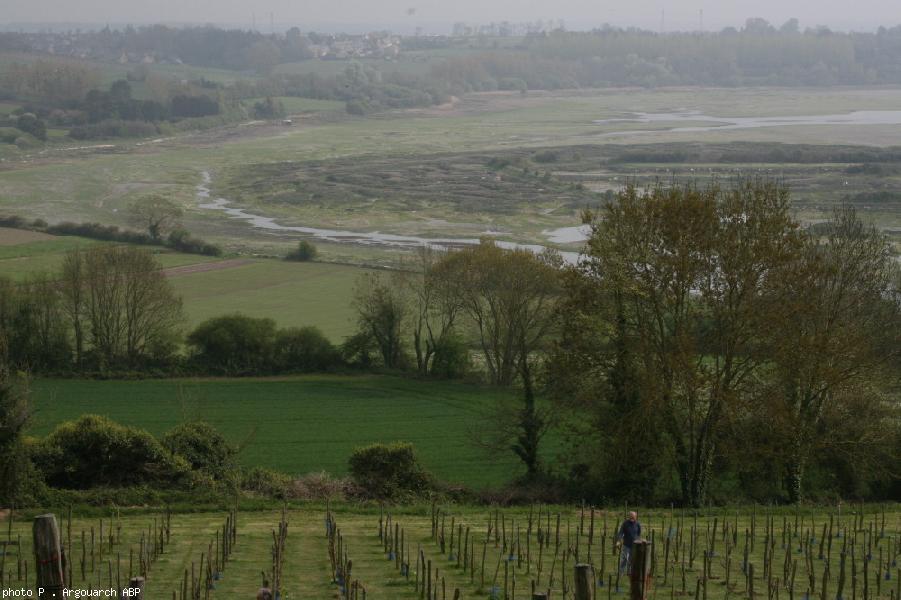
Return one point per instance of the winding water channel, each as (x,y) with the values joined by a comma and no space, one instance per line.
(375,238)
(856,118)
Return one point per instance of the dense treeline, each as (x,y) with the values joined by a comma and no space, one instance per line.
(66,94)
(178,239)
(204,46)
(757,54)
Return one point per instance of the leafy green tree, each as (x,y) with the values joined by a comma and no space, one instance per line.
(508,298)
(690,276)
(262,55)
(594,375)
(389,471)
(435,309)
(305,252)
(120,91)
(840,344)
(94,451)
(382,310)
(50,81)
(156,214)
(16,471)
(304,350)
(269,108)
(32,324)
(203,447)
(31,124)
(234,344)
(357,350)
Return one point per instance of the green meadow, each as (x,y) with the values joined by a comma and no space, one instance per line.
(292,294)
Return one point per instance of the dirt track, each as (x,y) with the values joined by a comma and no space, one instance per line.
(204,267)
(12,237)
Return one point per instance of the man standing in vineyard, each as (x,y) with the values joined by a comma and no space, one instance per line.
(629,531)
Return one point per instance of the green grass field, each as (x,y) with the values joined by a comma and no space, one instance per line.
(303,424)
(293,294)
(7,107)
(513,556)
(22,260)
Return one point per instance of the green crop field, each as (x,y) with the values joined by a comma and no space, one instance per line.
(750,552)
(303,424)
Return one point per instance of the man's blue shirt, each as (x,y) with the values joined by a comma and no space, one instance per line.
(629,532)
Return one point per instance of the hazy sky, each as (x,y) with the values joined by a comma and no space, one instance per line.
(432,14)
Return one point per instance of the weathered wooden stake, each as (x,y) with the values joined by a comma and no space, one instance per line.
(136,585)
(641,564)
(49,557)
(582,582)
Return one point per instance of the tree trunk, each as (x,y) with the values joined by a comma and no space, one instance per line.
(79,343)
(421,363)
(529,423)
(793,478)
(49,560)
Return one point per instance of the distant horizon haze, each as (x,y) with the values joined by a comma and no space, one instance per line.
(433,17)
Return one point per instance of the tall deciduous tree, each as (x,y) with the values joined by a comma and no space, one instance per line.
(382,309)
(32,327)
(73,288)
(435,307)
(508,297)
(15,415)
(838,343)
(684,275)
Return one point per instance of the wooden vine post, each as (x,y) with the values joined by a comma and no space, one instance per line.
(639,577)
(582,582)
(136,588)
(49,559)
